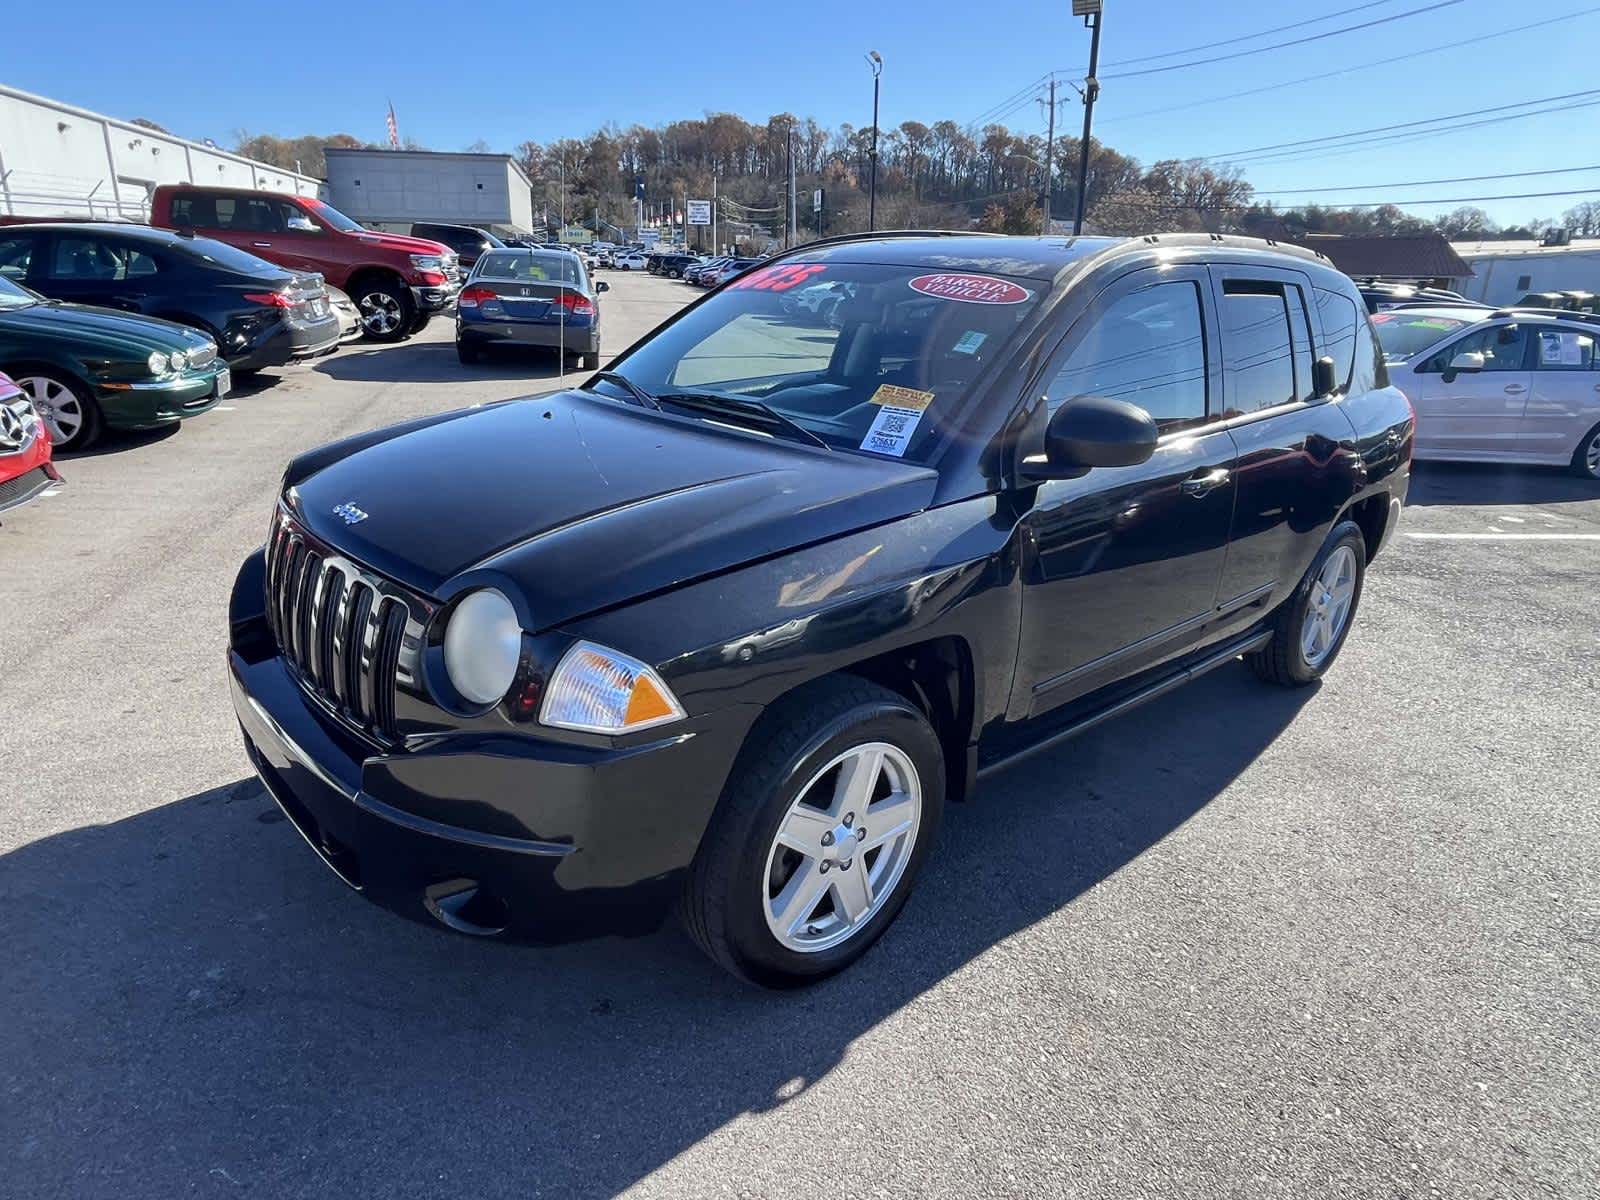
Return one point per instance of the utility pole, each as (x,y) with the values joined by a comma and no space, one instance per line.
(875,61)
(1050,159)
(1090,11)
(713,211)
(794,227)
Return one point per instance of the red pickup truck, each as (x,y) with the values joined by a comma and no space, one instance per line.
(397,282)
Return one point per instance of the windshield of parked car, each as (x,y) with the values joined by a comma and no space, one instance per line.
(1405,335)
(329,215)
(550,267)
(865,357)
(14,295)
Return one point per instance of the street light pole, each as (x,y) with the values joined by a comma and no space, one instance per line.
(1090,11)
(875,61)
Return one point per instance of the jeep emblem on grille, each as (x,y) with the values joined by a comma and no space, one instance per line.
(349,513)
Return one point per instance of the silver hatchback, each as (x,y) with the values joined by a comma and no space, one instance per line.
(1501,385)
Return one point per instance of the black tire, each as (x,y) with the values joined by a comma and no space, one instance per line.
(675,273)
(386,307)
(589,362)
(419,322)
(1283,660)
(66,389)
(1585,455)
(795,739)
(468,354)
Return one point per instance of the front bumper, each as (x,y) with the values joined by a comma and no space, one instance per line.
(147,404)
(487,833)
(433,299)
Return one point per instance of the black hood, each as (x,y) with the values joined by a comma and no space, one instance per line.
(582,503)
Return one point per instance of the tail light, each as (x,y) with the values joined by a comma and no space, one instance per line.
(577,305)
(271,299)
(474,296)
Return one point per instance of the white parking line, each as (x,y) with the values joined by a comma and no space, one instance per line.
(1503,537)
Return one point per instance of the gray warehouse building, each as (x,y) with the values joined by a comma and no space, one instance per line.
(389,189)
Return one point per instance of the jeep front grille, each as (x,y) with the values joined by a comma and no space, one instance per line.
(342,630)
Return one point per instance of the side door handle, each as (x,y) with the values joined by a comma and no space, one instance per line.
(1515,389)
(1198,485)
(262,245)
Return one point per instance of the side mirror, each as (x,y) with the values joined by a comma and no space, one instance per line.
(300,225)
(1096,431)
(600,285)
(1467,360)
(1323,381)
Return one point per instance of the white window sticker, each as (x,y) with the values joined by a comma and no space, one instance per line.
(899,413)
(969,342)
(1559,348)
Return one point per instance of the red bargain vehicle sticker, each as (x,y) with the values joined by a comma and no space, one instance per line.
(778,279)
(969,289)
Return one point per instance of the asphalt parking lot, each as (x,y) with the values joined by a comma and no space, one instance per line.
(1339,942)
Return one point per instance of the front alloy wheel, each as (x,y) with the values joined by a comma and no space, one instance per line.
(387,311)
(823,823)
(71,417)
(842,847)
(1586,459)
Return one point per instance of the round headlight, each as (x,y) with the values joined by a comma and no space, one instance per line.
(482,644)
(157,362)
(178,359)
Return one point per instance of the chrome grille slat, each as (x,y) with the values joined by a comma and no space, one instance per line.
(340,630)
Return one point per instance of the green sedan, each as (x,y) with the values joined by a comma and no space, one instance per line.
(91,369)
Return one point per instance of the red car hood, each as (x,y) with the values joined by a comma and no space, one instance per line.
(397,241)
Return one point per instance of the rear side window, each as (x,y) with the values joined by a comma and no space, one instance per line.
(87,260)
(1565,350)
(1258,359)
(1147,348)
(1339,320)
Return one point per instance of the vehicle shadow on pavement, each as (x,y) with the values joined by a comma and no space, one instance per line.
(121,441)
(1495,483)
(436,362)
(192,1003)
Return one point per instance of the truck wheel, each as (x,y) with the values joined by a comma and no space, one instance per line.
(67,408)
(419,322)
(589,362)
(1309,629)
(1586,458)
(387,309)
(829,812)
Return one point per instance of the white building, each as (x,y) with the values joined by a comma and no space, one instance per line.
(389,189)
(1505,272)
(58,160)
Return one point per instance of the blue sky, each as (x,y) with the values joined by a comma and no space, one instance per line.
(313,70)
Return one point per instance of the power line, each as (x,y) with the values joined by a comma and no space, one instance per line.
(1363,66)
(1373,187)
(1025,94)
(1250,37)
(1314,37)
(1232,155)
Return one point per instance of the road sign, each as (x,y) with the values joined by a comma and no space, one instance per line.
(576,235)
(816,200)
(699,212)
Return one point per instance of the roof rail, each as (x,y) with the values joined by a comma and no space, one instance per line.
(1565,314)
(878,234)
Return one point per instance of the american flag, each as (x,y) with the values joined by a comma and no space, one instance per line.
(394,128)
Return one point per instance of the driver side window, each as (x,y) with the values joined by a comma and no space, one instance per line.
(1504,348)
(1147,348)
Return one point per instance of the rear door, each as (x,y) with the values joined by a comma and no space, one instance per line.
(93,268)
(1297,464)
(1565,401)
(1122,564)
(1475,414)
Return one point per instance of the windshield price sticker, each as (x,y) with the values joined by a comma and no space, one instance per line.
(899,413)
(969,342)
(969,289)
(778,279)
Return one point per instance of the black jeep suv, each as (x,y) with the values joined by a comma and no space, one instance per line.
(725,627)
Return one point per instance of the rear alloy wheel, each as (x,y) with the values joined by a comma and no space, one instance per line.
(1586,458)
(824,822)
(387,310)
(65,407)
(1309,628)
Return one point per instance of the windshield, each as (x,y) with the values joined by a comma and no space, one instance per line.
(1405,335)
(559,267)
(14,295)
(866,357)
(329,215)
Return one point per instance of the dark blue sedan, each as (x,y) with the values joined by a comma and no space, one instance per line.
(520,297)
